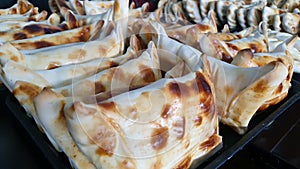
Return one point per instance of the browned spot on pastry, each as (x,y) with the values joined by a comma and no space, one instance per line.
(229,90)
(104,137)
(85,34)
(20,35)
(202,84)
(23,7)
(102,51)
(63,26)
(113,64)
(159,138)
(180,89)
(38,29)
(187,144)
(108,105)
(174,89)
(78,54)
(124,162)
(280,60)
(33,29)
(211,142)
(233,47)
(255,48)
(157,164)
(117,6)
(290,73)
(207,104)
(53,65)
(126,165)
(203,27)
(166,112)
(102,152)
(12,11)
(99,87)
(147,74)
(72,21)
(279,89)
(185,163)
(176,35)
(78,4)
(226,58)
(198,121)
(14,58)
(42,44)
(260,87)
(28,89)
(61,116)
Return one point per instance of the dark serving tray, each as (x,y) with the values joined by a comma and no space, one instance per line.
(57,159)
(232,142)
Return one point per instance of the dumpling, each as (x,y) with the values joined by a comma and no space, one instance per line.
(167,124)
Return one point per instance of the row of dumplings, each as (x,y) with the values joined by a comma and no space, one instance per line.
(89,65)
(237,15)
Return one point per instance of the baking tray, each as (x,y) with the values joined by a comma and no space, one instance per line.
(278,141)
(232,142)
(57,159)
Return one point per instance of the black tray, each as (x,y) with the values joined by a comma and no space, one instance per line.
(232,142)
(57,159)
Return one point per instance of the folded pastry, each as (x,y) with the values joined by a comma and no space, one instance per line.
(49,107)
(292,46)
(26,87)
(192,8)
(96,7)
(288,5)
(61,6)
(53,19)
(170,123)
(77,6)
(241,92)
(28,32)
(226,50)
(81,34)
(135,73)
(21,7)
(274,70)
(22,11)
(13,72)
(55,56)
(191,34)
(247,59)
(52,121)
(290,22)
(26,83)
